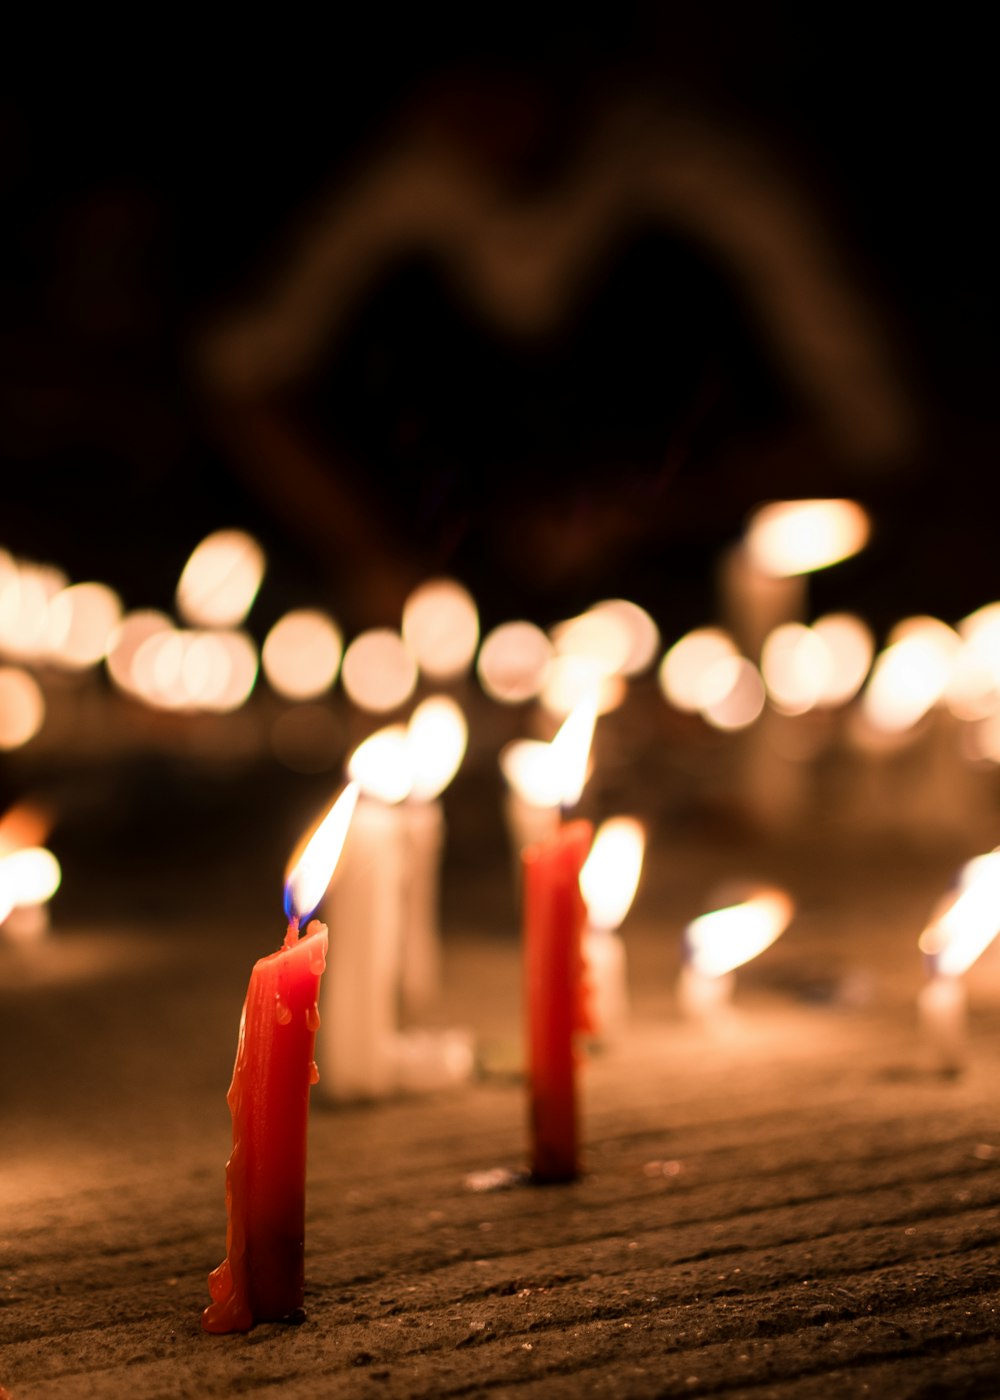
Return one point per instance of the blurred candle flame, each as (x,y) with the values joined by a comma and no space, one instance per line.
(220,580)
(799,537)
(312,869)
(436,738)
(911,675)
(27,876)
(610,874)
(570,751)
(684,667)
(381,765)
(723,939)
(513,661)
(968,921)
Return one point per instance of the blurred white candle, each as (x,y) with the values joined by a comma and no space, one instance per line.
(382,911)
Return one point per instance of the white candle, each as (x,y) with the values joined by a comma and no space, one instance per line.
(608,882)
(942,1009)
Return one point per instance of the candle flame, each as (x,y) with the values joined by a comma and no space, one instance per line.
(381,765)
(725,938)
(312,870)
(301,653)
(220,580)
(27,876)
(799,537)
(850,648)
(610,874)
(910,675)
(570,750)
(682,671)
(436,738)
(441,628)
(969,920)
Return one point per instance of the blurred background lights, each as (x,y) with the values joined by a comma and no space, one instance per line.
(441,628)
(22,707)
(798,537)
(570,679)
(380,765)
(81,623)
(850,647)
(24,608)
(378,673)
(683,669)
(437,735)
(301,654)
(910,675)
(595,637)
(636,625)
(795,664)
(513,661)
(220,580)
(126,642)
(732,693)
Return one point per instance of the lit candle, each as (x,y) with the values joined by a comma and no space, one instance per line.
(553,914)
(718,942)
(762,577)
(961,928)
(388,885)
(262,1277)
(608,882)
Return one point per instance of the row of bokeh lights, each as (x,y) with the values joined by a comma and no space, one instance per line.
(209,663)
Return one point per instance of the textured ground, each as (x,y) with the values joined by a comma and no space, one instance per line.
(792,1205)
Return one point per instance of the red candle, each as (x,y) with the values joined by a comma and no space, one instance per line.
(553,917)
(262,1277)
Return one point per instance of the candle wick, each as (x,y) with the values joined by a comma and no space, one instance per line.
(292,934)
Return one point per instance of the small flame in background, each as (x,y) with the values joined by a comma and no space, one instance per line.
(967,921)
(441,628)
(436,739)
(553,774)
(798,537)
(610,874)
(221,579)
(724,939)
(312,868)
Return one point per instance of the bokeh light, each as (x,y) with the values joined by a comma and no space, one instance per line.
(220,580)
(441,628)
(378,673)
(301,654)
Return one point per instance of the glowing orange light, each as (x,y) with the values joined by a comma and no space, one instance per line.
(80,623)
(301,654)
(378,672)
(610,874)
(27,877)
(126,642)
(683,669)
(571,679)
(798,537)
(724,939)
(910,675)
(312,870)
(436,738)
(552,775)
(441,628)
(513,661)
(381,765)
(969,920)
(220,580)
(850,647)
(732,693)
(22,707)
(795,666)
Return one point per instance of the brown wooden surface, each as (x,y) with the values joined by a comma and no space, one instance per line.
(792,1205)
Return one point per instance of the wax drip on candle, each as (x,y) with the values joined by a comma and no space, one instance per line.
(262,1275)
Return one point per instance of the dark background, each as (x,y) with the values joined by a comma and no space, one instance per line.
(151,180)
